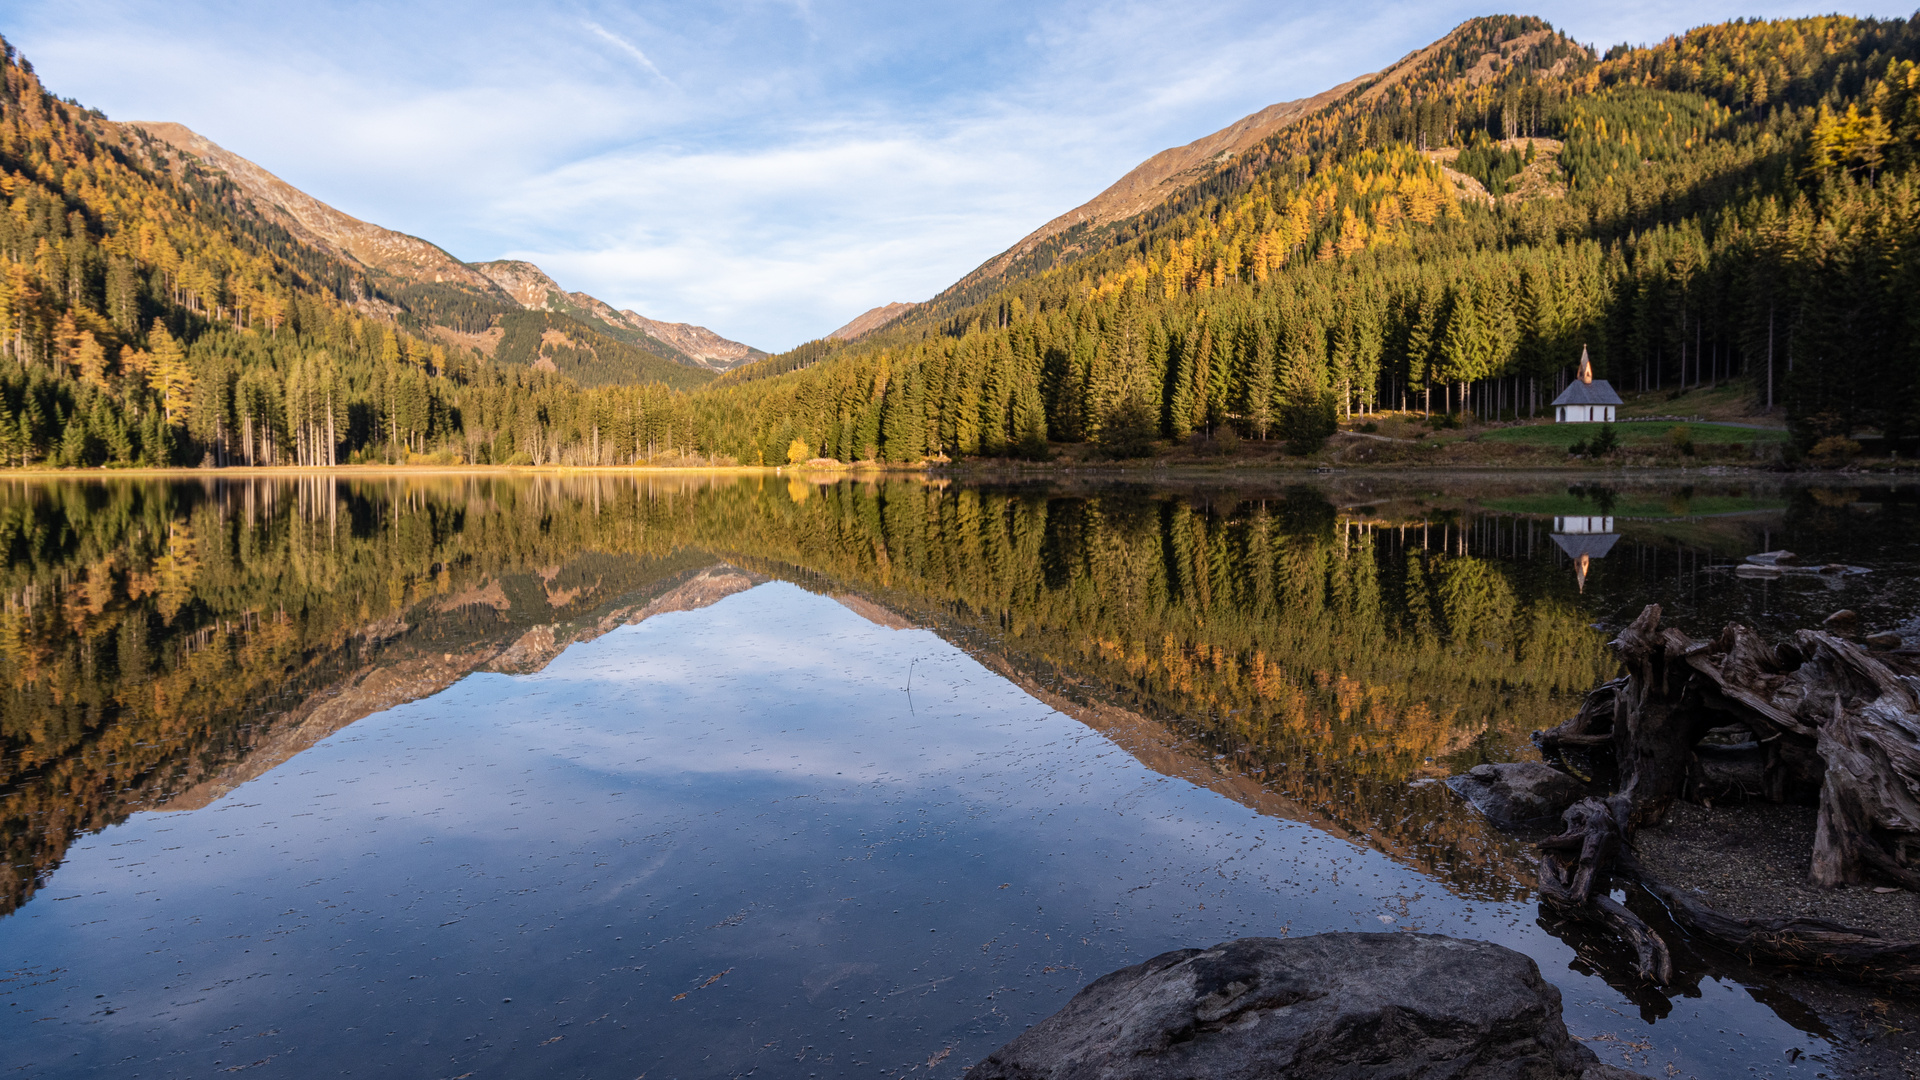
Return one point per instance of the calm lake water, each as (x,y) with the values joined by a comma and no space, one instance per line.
(711,777)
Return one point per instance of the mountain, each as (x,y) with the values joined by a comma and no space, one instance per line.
(1165,174)
(1442,236)
(1146,185)
(871,320)
(1161,180)
(697,346)
(415,273)
(558,343)
(164,302)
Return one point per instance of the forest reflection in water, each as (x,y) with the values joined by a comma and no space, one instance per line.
(1317,653)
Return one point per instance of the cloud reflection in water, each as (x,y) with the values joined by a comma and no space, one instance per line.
(717,841)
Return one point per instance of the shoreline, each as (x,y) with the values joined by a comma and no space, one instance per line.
(183,472)
(1002,470)
(998,470)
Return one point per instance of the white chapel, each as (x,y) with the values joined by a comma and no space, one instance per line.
(1586,400)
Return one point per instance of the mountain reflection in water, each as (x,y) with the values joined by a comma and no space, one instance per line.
(1313,654)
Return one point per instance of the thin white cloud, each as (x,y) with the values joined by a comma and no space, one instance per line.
(629,48)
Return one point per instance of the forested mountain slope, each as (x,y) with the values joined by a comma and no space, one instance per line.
(420,279)
(155,311)
(566,345)
(1740,199)
(1469,56)
(1148,184)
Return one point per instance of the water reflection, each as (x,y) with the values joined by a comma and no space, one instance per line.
(1231,696)
(1584,538)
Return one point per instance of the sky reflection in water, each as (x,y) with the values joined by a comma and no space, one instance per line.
(717,842)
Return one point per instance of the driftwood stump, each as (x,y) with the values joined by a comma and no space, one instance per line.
(1574,868)
(1815,720)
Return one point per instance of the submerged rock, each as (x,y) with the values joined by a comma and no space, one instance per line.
(1373,1006)
(1519,793)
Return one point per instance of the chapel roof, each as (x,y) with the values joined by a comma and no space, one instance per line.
(1587,390)
(1597,392)
(1592,545)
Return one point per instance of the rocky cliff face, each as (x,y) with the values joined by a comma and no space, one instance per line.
(527,284)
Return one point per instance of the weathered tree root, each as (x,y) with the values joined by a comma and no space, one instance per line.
(1815,943)
(1578,887)
(1577,865)
(1814,718)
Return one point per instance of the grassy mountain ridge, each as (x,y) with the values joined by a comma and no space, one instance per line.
(395,256)
(870,320)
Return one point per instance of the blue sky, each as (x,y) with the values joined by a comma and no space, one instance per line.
(766,168)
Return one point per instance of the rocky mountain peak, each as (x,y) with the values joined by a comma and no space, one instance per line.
(869,321)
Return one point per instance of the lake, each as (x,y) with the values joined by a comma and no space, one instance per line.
(713,776)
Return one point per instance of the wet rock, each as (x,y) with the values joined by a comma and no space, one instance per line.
(1375,1006)
(1519,794)
(1886,640)
(1783,557)
(1841,620)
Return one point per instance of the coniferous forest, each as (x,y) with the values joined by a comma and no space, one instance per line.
(1737,202)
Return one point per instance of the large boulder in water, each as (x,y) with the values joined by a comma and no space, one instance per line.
(1519,794)
(1373,1006)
